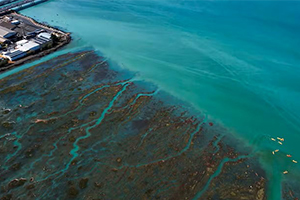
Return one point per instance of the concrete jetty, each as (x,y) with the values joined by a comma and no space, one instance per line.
(6,6)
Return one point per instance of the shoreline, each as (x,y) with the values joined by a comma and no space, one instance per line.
(66,39)
(20,65)
(187,138)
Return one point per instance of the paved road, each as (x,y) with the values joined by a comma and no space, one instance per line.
(29,22)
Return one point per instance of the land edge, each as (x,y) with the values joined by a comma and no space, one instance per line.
(94,51)
(41,54)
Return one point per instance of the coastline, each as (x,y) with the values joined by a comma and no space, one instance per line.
(66,39)
(152,138)
(36,57)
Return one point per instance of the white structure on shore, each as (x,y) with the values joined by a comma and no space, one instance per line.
(14,55)
(28,46)
(43,39)
(23,48)
(45,36)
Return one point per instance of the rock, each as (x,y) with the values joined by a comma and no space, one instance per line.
(72,139)
(260,194)
(98,185)
(83,183)
(15,167)
(7,197)
(119,160)
(74,162)
(29,153)
(210,170)
(114,169)
(244,198)
(92,114)
(73,192)
(17,183)
(7,125)
(6,111)
(233,194)
(148,192)
(30,186)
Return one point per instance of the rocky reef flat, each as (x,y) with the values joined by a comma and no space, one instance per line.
(74,128)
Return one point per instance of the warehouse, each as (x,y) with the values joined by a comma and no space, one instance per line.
(45,35)
(14,55)
(6,33)
(43,39)
(4,40)
(21,42)
(28,46)
(23,48)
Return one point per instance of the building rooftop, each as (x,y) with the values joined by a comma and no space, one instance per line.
(6,33)
(45,35)
(40,40)
(14,53)
(2,40)
(21,42)
(30,45)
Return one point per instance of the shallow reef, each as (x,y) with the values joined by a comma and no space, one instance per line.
(290,190)
(73,128)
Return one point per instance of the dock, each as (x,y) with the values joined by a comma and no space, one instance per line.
(2,3)
(8,5)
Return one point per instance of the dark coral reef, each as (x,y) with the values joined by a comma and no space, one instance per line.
(73,128)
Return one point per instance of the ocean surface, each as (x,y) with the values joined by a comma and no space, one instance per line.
(236,61)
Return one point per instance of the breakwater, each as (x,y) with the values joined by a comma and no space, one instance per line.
(6,6)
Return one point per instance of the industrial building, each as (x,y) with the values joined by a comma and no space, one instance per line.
(4,40)
(23,48)
(14,55)
(21,37)
(6,33)
(44,35)
(28,46)
(43,39)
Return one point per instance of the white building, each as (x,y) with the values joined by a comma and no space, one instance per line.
(45,35)
(22,49)
(14,55)
(28,46)
(21,42)
(43,39)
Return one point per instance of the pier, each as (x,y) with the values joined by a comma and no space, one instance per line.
(2,3)
(7,5)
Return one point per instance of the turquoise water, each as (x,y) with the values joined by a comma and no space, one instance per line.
(236,61)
